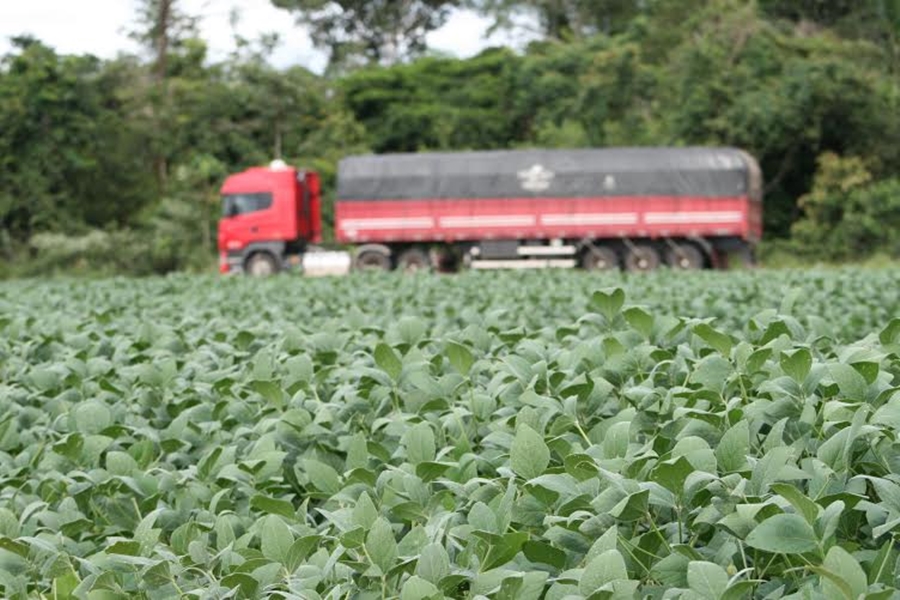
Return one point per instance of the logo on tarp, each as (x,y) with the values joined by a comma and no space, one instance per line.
(536,178)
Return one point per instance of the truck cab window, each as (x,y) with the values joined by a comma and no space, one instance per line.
(240,204)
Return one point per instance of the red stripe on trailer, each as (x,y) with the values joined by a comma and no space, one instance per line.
(542,218)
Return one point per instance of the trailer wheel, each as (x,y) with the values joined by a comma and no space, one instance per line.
(685,257)
(261,264)
(372,260)
(599,258)
(413,260)
(641,258)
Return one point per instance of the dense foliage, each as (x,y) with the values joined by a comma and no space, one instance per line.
(112,165)
(476,436)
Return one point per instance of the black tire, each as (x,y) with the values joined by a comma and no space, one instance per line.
(685,257)
(372,260)
(642,258)
(413,260)
(261,264)
(600,258)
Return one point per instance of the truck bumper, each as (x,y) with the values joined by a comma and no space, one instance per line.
(231,263)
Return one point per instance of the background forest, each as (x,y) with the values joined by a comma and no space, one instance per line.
(113,166)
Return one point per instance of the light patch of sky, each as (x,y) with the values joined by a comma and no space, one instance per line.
(101,27)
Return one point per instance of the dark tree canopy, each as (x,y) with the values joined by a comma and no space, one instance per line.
(374,31)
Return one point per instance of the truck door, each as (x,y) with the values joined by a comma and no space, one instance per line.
(246,218)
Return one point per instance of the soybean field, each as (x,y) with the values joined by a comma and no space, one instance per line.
(539,436)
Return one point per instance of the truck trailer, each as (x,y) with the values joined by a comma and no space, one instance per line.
(597,209)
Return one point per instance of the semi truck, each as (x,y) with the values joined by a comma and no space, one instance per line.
(596,209)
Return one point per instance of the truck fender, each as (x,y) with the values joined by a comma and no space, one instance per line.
(380,248)
(276,249)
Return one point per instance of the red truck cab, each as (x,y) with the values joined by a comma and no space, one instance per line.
(269,215)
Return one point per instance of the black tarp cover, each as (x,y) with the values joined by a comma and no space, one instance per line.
(695,171)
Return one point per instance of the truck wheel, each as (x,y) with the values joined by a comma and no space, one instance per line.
(261,264)
(641,258)
(599,258)
(412,260)
(372,260)
(684,256)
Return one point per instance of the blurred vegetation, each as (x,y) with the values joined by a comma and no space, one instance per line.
(112,166)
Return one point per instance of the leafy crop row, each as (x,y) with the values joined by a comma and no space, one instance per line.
(477,436)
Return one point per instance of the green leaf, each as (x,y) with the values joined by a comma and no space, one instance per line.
(381,546)
(671,571)
(322,476)
(672,474)
(14,547)
(245,582)
(784,534)
(364,513)
(387,361)
(64,585)
(433,564)
(797,364)
(300,550)
(542,552)
(718,340)
(608,302)
(606,568)
(276,539)
(852,385)
(604,543)
(529,456)
(460,357)
(808,509)
(707,579)
(273,506)
(420,445)
(640,320)
(734,447)
(891,333)
(842,564)
(269,390)
(417,588)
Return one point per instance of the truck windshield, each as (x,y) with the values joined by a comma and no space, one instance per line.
(239,204)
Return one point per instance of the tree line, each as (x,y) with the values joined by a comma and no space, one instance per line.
(113,165)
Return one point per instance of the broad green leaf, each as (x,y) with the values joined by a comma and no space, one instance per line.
(842,564)
(528,455)
(784,534)
(734,447)
(322,476)
(852,385)
(542,552)
(269,390)
(387,361)
(460,357)
(276,539)
(381,546)
(797,364)
(805,507)
(417,588)
(364,512)
(433,564)
(608,302)
(707,579)
(420,445)
(606,568)
(671,474)
(606,542)
(273,506)
(718,340)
